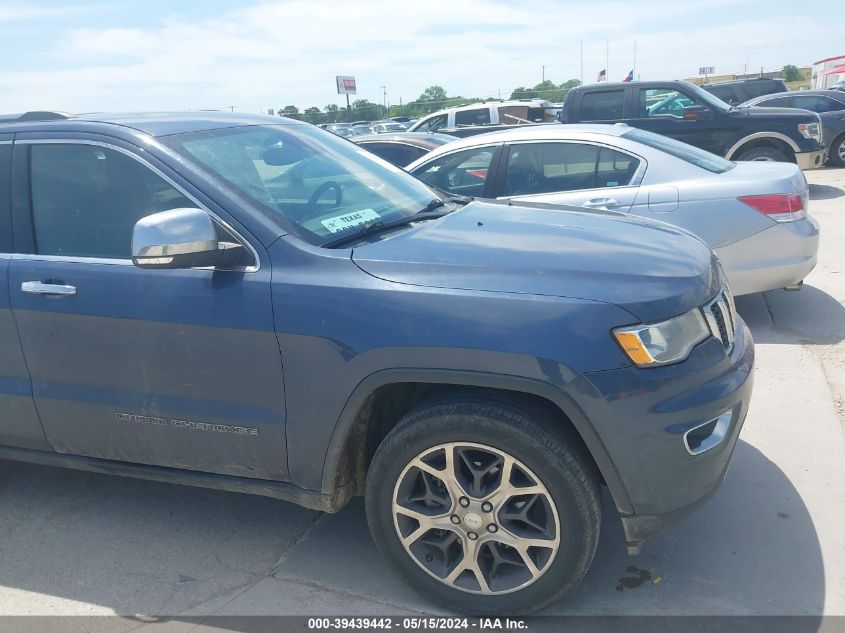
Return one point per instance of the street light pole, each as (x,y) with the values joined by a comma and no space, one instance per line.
(384,97)
(544,74)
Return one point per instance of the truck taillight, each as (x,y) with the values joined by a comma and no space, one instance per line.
(781,207)
(810,131)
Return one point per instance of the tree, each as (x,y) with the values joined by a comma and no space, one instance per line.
(292,112)
(365,110)
(523,93)
(433,93)
(332,113)
(792,73)
(546,90)
(313,115)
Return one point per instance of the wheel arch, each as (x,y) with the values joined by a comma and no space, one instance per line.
(349,451)
(768,138)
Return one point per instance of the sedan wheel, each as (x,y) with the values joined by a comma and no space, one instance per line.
(837,151)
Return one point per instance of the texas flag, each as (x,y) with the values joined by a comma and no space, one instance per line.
(629,77)
(602,76)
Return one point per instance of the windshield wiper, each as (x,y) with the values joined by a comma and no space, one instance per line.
(428,212)
(373,228)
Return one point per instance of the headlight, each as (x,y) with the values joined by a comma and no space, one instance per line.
(665,342)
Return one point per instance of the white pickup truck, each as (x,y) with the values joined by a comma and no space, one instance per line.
(513,112)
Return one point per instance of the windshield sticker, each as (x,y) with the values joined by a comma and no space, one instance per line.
(343,222)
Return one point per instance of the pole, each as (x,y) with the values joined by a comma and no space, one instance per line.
(634,70)
(607,60)
(384,99)
(582,61)
(544,74)
(348,109)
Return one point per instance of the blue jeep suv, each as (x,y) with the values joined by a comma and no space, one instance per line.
(256,305)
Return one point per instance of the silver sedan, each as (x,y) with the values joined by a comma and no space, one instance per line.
(753,214)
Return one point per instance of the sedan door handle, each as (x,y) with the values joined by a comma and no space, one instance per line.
(40,288)
(602,203)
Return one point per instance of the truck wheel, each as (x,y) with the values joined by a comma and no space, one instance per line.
(483,505)
(837,151)
(763,154)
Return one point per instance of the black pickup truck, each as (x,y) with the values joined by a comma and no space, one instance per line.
(690,114)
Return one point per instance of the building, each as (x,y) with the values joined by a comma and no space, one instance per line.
(827,72)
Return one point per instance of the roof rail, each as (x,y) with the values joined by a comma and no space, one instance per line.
(35,115)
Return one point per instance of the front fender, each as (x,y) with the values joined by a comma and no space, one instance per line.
(503,382)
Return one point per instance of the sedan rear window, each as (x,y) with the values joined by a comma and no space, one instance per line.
(687,153)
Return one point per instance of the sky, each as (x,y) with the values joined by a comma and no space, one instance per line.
(251,56)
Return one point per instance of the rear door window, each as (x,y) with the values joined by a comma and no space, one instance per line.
(816,104)
(537,168)
(776,102)
(603,105)
(396,153)
(479,116)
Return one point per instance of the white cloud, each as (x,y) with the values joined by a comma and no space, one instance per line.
(18,13)
(280,53)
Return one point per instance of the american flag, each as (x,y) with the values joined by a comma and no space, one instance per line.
(629,77)
(602,76)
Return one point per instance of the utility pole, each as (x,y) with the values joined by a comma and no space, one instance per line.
(634,70)
(384,97)
(544,75)
(582,61)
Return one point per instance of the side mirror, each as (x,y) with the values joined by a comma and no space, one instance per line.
(180,238)
(696,113)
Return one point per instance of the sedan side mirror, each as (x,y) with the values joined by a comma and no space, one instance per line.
(181,238)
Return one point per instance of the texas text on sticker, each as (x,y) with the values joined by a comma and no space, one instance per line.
(342,222)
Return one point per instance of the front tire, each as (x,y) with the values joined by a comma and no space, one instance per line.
(484,505)
(768,154)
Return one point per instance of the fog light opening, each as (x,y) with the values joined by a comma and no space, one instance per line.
(708,435)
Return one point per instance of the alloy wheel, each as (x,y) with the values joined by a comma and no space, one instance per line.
(476,518)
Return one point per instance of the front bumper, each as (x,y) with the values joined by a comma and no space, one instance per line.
(779,256)
(810,160)
(642,416)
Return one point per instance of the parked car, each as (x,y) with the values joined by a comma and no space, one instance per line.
(359,130)
(754,215)
(179,307)
(828,104)
(685,112)
(513,112)
(739,90)
(839,85)
(403,148)
(390,126)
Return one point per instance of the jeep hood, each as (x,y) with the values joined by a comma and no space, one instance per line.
(651,269)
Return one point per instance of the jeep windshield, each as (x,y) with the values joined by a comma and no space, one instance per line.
(314,184)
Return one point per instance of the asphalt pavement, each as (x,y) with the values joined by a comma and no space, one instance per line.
(770,542)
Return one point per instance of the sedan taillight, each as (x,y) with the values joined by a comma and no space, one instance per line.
(781,207)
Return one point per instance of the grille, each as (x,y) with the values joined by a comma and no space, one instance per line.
(720,314)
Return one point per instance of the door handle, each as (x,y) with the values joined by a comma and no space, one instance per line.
(601,203)
(40,288)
